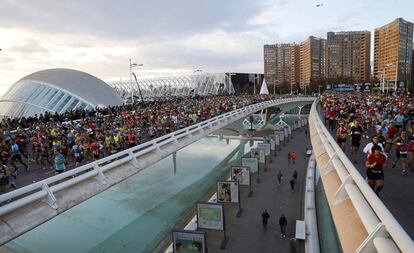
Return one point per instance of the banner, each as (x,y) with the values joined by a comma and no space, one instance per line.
(277,141)
(272,142)
(227,192)
(264,146)
(210,215)
(241,175)
(258,153)
(189,241)
(281,135)
(251,163)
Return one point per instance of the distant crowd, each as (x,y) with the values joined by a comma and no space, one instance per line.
(55,141)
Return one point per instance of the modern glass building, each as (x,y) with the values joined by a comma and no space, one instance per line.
(56,90)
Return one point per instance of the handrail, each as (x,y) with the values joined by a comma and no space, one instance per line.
(376,218)
(49,186)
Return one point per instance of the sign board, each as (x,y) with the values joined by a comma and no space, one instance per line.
(277,141)
(264,146)
(258,153)
(251,163)
(241,175)
(272,142)
(281,135)
(189,241)
(227,192)
(286,131)
(210,215)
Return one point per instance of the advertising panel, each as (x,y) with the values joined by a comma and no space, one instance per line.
(188,241)
(227,192)
(210,215)
(281,135)
(264,146)
(272,142)
(258,153)
(241,175)
(251,163)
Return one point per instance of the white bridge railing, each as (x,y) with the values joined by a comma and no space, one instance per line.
(47,188)
(385,234)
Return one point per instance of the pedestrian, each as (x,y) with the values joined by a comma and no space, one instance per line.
(292,183)
(279,177)
(295,175)
(289,157)
(306,132)
(283,224)
(265,218)
(293,156)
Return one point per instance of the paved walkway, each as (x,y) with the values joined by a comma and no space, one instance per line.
(246,233)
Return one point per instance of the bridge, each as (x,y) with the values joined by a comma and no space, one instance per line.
(45,199)
(348,195)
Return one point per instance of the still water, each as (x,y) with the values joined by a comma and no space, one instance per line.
(138,213)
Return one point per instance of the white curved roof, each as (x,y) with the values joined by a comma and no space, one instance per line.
(79,83)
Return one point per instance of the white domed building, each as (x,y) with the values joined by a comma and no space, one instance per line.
(56,90)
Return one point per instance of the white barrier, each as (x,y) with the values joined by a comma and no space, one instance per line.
(384,232)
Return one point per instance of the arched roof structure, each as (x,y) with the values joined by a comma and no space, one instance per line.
(56,90)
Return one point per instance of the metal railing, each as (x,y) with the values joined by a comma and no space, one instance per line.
(385,234)
(47,188)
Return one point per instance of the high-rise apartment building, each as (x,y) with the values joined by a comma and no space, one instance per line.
(393,52)
(281,63)
(312,61)
(348,56)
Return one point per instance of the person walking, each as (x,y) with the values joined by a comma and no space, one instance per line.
(265,218)
(295,175)
(293,156)
(292,183)
(283,224)
(289,156)
(279,177)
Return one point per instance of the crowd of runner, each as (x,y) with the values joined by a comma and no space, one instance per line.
(52,141)
(387,121)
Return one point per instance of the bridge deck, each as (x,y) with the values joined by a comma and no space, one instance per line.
(397,194)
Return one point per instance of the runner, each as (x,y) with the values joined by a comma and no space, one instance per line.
(375,164)
(401,151)
(356,134)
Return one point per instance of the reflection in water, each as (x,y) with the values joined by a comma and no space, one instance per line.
(174,155)
(138,213)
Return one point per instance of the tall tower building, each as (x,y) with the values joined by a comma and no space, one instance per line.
(348,56)
(281,63)
(393,52)
(312,61)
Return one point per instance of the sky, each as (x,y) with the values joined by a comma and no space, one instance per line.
(170,37)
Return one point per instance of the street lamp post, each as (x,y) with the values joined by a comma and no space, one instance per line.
(131,65)
(254,84)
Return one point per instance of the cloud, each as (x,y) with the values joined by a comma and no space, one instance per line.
(130,18)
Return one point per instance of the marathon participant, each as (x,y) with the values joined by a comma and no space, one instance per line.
(356,134)
(375,164)
(341,135)
(401,151)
